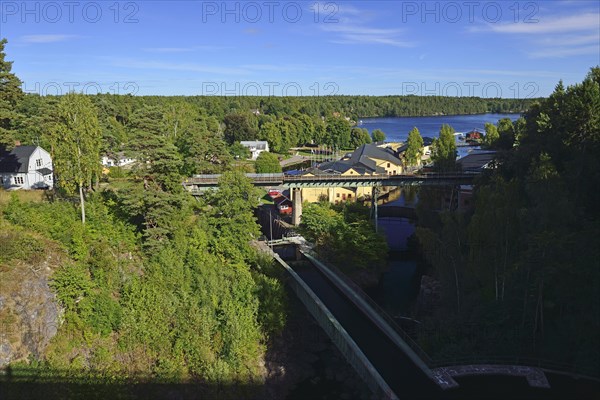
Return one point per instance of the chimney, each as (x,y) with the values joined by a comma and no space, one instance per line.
(17,143)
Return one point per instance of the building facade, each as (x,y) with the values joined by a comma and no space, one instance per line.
(26,167)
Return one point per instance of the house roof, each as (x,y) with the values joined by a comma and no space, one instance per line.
(260,145)
(476,161)
(369,151)
(16,160)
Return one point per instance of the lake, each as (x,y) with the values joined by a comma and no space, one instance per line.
(396,128)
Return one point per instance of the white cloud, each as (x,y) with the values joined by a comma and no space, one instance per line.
(556,37)
(47,38)
(573,23)
(350,33)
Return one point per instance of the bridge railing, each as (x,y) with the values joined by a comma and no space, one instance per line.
(377,308)
(549,365)
(279,178)
(338,335)
(588,372)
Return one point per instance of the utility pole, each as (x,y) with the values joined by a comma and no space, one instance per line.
(270,230)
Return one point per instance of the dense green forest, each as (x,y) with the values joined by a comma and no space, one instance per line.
(520,273)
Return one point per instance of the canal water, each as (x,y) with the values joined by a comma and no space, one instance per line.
(399,285)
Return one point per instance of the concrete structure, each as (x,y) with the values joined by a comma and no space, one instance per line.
(336,332)
(26,167)
(256,147)
(296,206)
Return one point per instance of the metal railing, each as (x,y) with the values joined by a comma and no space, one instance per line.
(275,179)
(377,308)
(338,335)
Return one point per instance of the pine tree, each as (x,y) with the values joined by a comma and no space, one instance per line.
(10,96)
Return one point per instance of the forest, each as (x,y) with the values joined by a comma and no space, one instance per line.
(519,273)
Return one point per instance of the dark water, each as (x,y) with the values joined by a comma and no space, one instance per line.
(396,128)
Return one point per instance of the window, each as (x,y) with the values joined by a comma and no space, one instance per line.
(19,180)
(388,165)
(349,196)
(38,162)
(337,195)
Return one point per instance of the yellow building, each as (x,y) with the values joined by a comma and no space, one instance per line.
(366,160)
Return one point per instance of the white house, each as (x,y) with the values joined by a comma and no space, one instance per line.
(119,160)
(255,147)
(26,167)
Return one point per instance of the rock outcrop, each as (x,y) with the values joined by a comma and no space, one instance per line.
(29,311)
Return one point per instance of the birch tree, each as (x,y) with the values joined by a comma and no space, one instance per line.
(75,143)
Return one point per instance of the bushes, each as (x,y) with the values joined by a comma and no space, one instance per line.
(345,235)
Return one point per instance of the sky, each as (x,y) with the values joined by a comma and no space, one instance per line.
(510,49)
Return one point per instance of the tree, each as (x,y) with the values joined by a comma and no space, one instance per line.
(414,147)
(10,95)
(359,136)
(239,127)
(76,145)
(267,163)
(338,133)
(506,134)
(239,152)
(491,134)
(231,219)
(444,149)
(378,136)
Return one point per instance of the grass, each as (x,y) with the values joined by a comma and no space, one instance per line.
(26,196)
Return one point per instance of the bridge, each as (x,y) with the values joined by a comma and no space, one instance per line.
(198,184)
(388,360)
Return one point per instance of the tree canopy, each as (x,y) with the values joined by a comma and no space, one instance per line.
(267,163)
(414,147)
(444,149)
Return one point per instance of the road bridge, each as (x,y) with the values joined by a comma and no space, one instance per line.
(198,184)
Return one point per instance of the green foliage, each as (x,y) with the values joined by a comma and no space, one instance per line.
(517,274)
(267,163)
(72,283)
(358,137)
(76,145)
(378,136)
(338,133)
(345,235)
(414,149)
(444,150)
(239,127)
(10,96)
(491,134)
(239,152)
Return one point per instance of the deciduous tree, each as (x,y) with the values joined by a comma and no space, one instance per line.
(76,145)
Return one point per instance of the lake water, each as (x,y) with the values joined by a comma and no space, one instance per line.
(396,128)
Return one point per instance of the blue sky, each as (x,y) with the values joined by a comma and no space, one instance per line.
(481,48)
